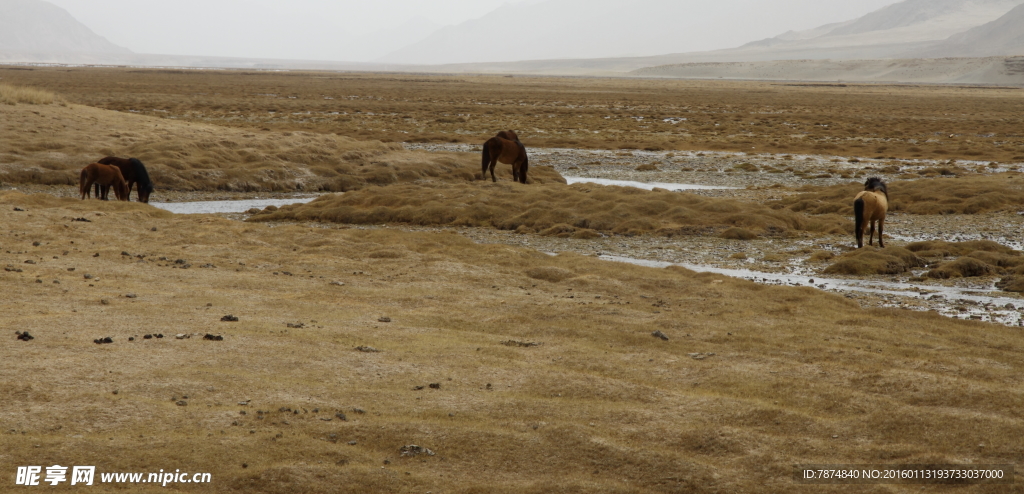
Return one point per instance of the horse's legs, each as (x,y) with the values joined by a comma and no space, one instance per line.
(494,162)
(515,172)
(880,223)
(871,231)
(129,183)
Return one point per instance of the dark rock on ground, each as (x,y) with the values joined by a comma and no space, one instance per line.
(229,318)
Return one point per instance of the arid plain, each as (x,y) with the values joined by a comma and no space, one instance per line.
(398,313)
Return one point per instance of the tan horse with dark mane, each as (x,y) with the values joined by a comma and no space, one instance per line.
(868,207)
(96,173)
(506,148)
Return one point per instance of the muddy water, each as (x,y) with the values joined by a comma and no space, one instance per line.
(987,304)
(210,207)
(645,185)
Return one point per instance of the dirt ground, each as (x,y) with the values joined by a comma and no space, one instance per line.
(519,370)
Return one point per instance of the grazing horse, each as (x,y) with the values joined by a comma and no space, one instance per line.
(133,171)
(868,207)
(506,148)
(97,173)
(508,134)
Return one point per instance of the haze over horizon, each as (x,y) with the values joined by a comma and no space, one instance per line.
(368,31)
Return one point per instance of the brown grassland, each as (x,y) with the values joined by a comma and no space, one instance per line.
(974,123)
(752,380)
(356,336)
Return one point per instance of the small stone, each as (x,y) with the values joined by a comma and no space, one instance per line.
(56,282)
(384,319)
(131,338)
(38,280)
(125,253)
(88,276)
(101,341)
(417,388)
(414,450)
(36,244)
(213,337)
(352,443)
(24,336)
(181,403)
(71,269)
(115,391)
(367,349)
(159,335)
(435,385)
(130,295)
(659,334)
(16,208)
(29,261)
(148,337)
(358,410)
(152,229)
(104,301)
(338,283)
(229,318)
(96,254)
(341,416)
(181,336)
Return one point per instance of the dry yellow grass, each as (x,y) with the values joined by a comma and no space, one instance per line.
(50,145)
(782,375)
(551,209)
(12,95)
(939,122)
(961,195)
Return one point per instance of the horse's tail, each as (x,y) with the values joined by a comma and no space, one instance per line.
(526,163)
(858,215)
(81,183)
(486,158)
(142,176)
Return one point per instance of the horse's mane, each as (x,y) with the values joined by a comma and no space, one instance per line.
(142,176)
(875,183)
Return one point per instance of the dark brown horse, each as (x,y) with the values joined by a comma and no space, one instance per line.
(506,148)
(97,173)
(133,171)
(868,207)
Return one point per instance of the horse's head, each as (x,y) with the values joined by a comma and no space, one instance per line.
(144,194)
(876,184)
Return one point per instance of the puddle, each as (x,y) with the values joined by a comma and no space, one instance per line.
(208,207)
(985,303)
(644,185)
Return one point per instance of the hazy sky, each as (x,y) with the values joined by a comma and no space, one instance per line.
(362,30)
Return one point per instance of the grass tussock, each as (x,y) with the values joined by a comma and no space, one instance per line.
(972,259)
(963,195)
(868,261)
(12,95)
(580,210)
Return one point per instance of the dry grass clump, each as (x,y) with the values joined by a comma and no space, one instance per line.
(735,233)
(962,195)
(51,146)
(863,262)
(555,209)
(962,268)
(941,248)
(12,95)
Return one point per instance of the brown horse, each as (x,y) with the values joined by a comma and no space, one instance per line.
(104,175)
(506,148)
(133,171)
(868,207)
(508,134)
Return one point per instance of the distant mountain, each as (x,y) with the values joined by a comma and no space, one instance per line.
(907,27)
(41,28)
(1003,36)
